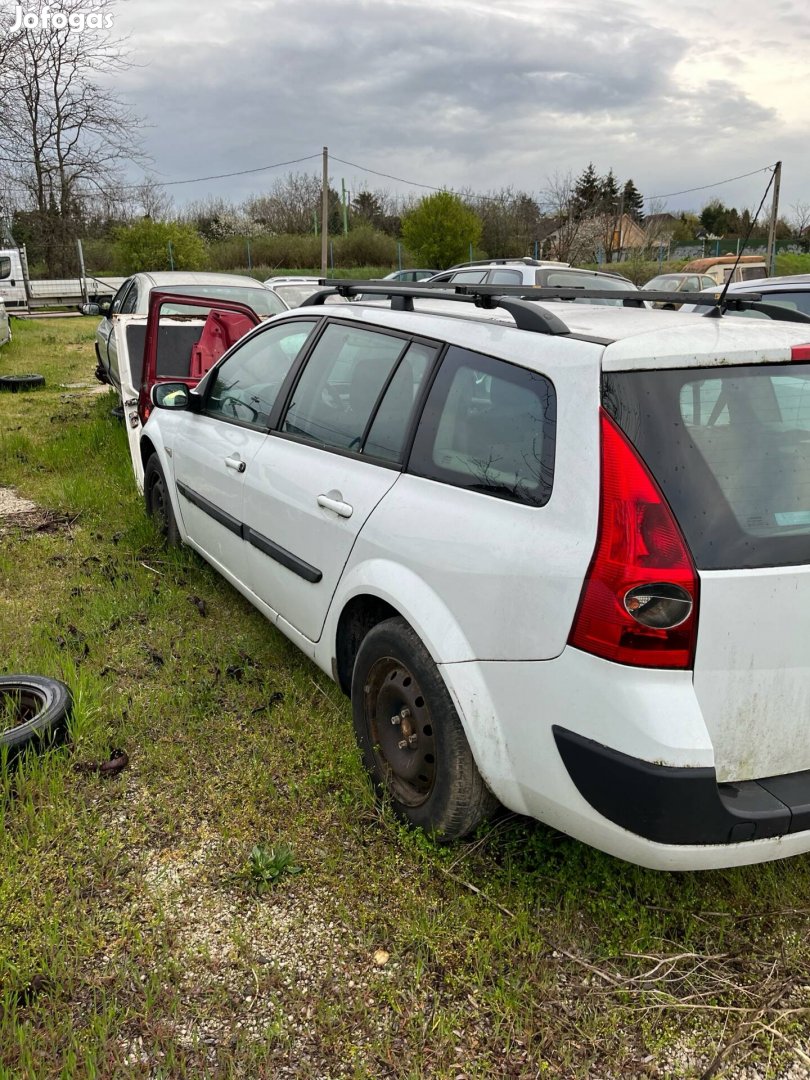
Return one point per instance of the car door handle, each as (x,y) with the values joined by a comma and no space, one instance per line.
(235,463)
(342,509)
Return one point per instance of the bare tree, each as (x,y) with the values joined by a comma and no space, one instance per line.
(64,134)
(800,218)
(564,223)
(291,206)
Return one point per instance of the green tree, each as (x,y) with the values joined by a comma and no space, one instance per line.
(719,219)
(587,192)
(440,229)
(146,246)
(609,194)
(633,202)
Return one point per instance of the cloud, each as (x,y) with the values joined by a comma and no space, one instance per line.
(447,93)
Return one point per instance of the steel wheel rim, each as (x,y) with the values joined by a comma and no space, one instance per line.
(396,713)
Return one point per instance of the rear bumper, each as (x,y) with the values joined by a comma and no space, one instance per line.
(683,806)
(608,790)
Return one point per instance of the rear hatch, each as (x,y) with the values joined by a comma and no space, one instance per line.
(730,448)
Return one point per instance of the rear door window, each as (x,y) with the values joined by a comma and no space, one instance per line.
(730,448)
(490,427)
(341,384)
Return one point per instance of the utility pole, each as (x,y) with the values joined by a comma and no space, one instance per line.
(325,212)
(771,256)
(344,200)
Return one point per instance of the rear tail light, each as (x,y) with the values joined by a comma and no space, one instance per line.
(639,601)
(144,404)
(800,352)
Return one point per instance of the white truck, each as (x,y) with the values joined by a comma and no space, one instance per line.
(20,294)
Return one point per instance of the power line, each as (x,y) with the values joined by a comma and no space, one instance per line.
(413,183)
(705,187)
(240,172)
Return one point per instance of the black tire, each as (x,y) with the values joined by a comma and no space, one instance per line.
(158,502)
(34,710)
(433,782)
(21,382)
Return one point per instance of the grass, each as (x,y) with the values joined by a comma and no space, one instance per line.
(137,941)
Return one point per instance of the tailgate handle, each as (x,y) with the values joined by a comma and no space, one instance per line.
(337,506)
(235,463)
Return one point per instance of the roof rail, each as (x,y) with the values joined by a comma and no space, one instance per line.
(715,302)
(521,300)
(527,314)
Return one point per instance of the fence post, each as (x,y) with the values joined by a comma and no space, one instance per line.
(250,262)
(171,256)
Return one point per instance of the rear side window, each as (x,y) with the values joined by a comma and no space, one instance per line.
(5,267)
(505,277)
(730,449)
(490,427)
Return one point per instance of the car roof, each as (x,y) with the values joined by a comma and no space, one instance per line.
(194,277)
(771,283)
(292,280)
(628,338)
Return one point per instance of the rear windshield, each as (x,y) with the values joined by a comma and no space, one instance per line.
(262,300)
(730,448)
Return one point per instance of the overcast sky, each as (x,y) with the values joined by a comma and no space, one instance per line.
(462,94)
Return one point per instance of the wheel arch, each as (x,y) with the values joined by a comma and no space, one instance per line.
(360,615)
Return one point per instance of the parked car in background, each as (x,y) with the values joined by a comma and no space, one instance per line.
(720,268)
(5,325)
(409,275)
(133,299)
(179,340)
(532,273)
(792,292)
(556,554)
(678,283)
(295,290)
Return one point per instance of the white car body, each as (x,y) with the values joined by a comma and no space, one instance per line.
(493,587)
(294,290)
(133,299)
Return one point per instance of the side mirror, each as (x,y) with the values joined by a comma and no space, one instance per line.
(170,396)
(90,309)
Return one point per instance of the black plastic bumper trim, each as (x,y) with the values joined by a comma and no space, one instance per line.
(672,805)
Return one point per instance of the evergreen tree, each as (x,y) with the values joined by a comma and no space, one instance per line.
(609,194)
(587,191)
(633,202)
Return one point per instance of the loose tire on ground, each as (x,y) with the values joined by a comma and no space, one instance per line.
(21,382)
(33,709)
(158,502)
(411,738)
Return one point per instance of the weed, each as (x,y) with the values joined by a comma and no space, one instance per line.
(266,866)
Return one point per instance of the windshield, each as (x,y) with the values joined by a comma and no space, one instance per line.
(261,300)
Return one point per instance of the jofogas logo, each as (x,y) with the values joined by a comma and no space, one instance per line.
(47,18)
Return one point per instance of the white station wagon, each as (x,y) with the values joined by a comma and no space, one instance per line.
(557,554)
